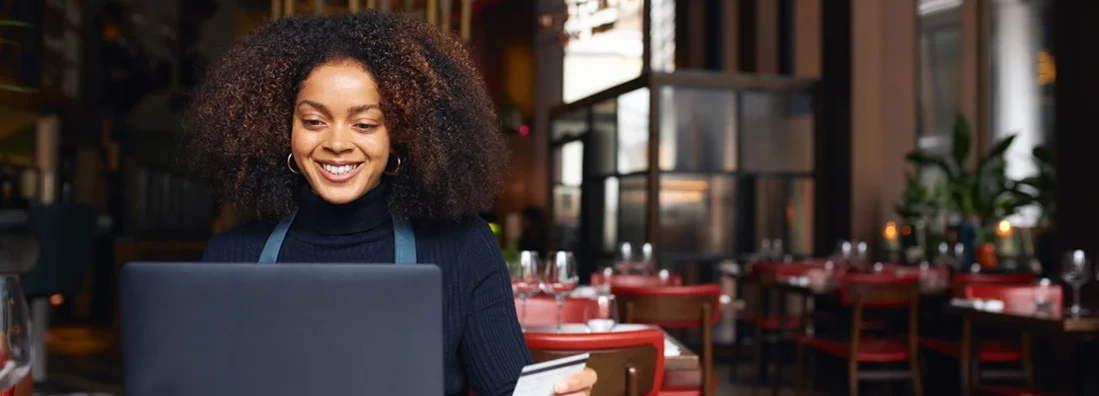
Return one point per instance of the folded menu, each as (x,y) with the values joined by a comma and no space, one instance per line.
(538,379)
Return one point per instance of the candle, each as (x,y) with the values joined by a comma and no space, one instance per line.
(890,236)
(1006,236)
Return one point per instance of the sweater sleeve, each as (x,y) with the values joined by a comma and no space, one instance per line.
(492,348)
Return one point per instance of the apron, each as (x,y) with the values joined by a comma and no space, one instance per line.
(404,241)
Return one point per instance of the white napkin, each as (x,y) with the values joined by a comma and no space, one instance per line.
(670,349)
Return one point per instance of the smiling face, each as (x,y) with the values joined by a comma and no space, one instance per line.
(339,138)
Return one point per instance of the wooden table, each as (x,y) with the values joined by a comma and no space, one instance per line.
(681,370)
(1027,319)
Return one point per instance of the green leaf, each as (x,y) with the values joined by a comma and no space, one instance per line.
(921,159)
(962,137)
(10,42)
(1043,154)
(997,151)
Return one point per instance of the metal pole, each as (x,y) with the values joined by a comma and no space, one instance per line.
(353,6)
(288,8)
(432,12)
(276,9)
(467,19)
(445,5)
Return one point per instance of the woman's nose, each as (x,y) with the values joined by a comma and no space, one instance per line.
(339,139)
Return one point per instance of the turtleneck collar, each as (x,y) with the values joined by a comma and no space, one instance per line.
(363,214)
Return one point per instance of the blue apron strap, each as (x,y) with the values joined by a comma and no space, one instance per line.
(270,253)
(404,242)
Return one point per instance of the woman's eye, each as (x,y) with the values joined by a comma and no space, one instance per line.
(312,123)
(366,127)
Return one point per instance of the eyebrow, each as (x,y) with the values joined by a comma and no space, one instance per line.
(352,109)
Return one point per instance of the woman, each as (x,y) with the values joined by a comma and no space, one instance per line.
(360,132)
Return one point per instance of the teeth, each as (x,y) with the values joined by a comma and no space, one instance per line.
(339,170)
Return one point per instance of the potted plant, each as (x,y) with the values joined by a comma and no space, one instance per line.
(920,208)
(979,197)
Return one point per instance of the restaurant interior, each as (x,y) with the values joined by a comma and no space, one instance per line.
(795,197)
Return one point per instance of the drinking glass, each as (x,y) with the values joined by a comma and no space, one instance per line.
(559,278)
(862,254)
(1075,270)
(764,253)
(624,262)
(525,279)
(646,264)
(602,314)
(1041,295)
(960,261)
(605,287)
(16,348)
(777,251)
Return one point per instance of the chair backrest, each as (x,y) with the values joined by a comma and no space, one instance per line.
(636,280)
(879,290)
(695,306)
(959,282)
(1015,296)
(884,290)
(542,310)
(66,238)
(627,362)
(668,306)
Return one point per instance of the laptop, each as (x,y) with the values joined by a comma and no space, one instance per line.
(281,329)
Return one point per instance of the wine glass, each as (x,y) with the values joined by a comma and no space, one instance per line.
(624,263)
(16,348)
(862,252)
(777,251)
(559,278)
(1041,295)
(645,266)
(764,253)
(602,314)
(1075,268)
(525,279)
(604,288)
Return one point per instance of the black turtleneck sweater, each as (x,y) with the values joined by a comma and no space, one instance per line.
(484,345)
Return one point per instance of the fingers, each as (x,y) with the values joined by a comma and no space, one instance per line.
(579,384)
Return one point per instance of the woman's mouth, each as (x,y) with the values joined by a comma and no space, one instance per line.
(339,172)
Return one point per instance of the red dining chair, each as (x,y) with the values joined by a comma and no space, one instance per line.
(1019,298)
(995,350)
(877,291)
(628,363)
(598,279)
(765,325)
(682,307)
(542,310)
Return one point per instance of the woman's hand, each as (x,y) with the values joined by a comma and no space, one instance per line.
(577,385)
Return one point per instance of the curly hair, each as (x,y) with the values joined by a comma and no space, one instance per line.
(440,118)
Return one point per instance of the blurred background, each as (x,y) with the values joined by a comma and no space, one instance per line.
(703,127)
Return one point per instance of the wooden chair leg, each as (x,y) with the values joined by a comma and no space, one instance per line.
(852,377)
(799,368)
(1028,361)
(917,378)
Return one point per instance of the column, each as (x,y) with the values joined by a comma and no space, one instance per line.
(1015,98)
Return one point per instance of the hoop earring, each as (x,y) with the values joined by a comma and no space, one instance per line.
(395,170)
(289,165)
